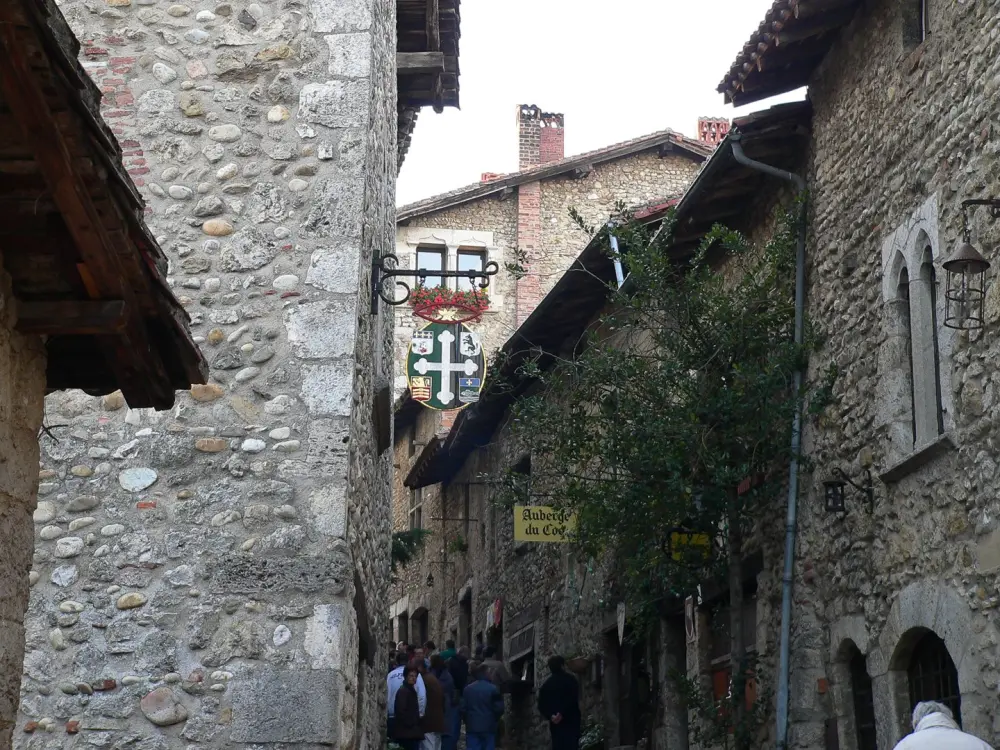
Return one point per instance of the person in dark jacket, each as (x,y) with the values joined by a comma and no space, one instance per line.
(449,738)
(406,725)
(559,704)
(458,665)
(482,707)
(433,722)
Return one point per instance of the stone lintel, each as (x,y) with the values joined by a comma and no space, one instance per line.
(920,457)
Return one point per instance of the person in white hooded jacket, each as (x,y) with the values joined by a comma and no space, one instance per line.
(934,728)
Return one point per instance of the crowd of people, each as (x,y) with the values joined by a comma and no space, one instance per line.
(432,694)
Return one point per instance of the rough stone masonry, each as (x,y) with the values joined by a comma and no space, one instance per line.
(204,576)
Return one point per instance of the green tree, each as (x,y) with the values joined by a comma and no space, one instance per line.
(405,545)
(668,431)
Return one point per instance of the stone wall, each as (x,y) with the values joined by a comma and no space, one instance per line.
(901,135)
(215,575)
(22,388)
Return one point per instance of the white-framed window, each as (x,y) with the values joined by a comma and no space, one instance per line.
(452,250)
(430,259)
(416,508)
(915,358)
(469,260)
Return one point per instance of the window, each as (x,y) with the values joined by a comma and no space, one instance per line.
(720,645)
(864,704)
(469,260)
(914,350)
(411,445)
(430,259)
(916,23)
(416,508)
(932,675)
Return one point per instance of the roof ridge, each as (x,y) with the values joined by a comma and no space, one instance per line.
(430,202)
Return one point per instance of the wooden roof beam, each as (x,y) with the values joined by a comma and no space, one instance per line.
(71,317)
(820,25)
(137,366)
(417,63)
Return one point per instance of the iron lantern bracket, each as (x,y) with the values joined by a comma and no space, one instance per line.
(382,273)
(867,487)
(993,204)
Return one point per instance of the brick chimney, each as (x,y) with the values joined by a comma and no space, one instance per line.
(540,136)
(712,130)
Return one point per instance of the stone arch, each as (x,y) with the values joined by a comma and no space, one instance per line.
(921,607)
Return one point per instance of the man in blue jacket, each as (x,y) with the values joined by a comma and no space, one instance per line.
(482,707)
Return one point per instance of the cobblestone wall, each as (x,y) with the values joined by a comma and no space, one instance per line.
(902,133)
(215,575)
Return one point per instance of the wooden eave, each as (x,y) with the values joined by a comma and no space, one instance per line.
(85,270)
(787,47)
(427,37)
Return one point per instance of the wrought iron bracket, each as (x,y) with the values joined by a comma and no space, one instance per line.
(382,274)
(867,487)
(993,205)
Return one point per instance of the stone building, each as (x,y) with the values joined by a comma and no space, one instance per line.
(525,217)
(506,218)
(897,602)
(215,575)
(477,584)
(83,303)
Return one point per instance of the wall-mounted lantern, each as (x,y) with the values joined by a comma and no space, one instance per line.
(834,491)
(965,290)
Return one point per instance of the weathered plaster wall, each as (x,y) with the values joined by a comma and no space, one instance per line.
(22,388)
(215,575)
(896,130)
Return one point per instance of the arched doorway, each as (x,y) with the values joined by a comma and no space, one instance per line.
(862,698)
(932,674)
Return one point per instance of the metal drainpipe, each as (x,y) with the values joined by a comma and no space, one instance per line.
(619,273)
(793,469)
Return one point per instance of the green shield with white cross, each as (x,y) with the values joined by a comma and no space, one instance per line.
(445,366)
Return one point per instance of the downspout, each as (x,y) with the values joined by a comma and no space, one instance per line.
(619,273)
(793,469)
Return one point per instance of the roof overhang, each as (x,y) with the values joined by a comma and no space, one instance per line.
(427,35)
(787,47)
(85,270)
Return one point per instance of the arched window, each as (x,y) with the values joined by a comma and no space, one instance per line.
(932,675)
(864,704)
(928,418)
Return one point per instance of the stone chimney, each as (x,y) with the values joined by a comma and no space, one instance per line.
(712,130)
(540,136)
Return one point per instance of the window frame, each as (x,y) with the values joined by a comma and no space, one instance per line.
(416,510)
(466,285)
(439,251)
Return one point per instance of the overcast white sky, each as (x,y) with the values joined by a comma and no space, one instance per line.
(617,69)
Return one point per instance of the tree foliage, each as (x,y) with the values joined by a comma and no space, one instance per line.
(405,545)
(679,391)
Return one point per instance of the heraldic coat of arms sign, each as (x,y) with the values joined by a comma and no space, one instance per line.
(445,366)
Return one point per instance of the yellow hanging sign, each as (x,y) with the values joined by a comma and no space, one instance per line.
(541,523)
